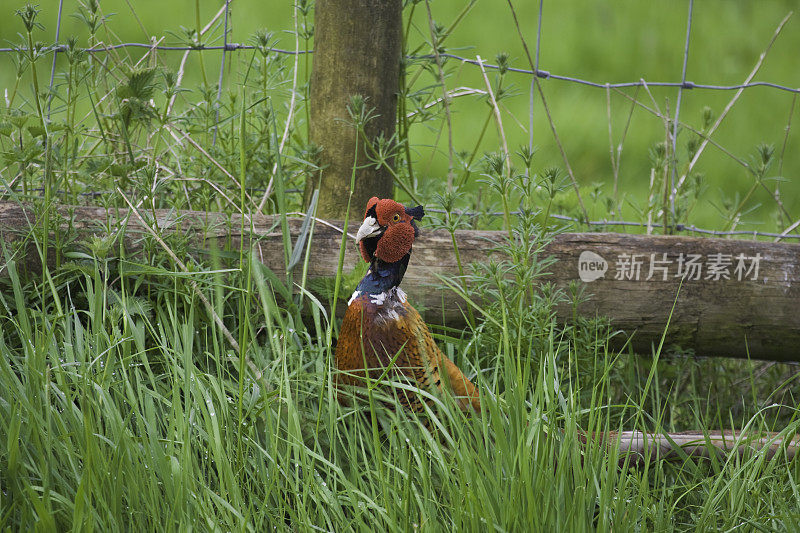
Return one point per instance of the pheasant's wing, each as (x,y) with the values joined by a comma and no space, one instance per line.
(349,355)
(405,343)
(368,341)
(438,368)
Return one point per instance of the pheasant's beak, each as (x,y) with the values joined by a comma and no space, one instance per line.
(369,228)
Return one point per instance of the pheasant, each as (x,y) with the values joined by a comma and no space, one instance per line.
(381,329)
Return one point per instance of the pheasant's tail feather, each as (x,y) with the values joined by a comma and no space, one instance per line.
(463,389)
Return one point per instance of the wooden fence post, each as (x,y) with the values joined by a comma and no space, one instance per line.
(357,49)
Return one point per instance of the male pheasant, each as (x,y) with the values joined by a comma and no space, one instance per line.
(381,329)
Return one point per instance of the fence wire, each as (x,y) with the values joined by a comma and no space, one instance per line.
(543,74)
(535,72)
(678,228)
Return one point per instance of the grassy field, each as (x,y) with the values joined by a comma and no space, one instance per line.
(150,393)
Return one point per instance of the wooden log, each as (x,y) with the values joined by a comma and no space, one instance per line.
(638,447)
(738,298)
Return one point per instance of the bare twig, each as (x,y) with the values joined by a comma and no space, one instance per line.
(787,231)
(499,119)
(55,56)
(674,160)
(221,72)
(730,104)
(533,80)
(182,67)
(614,166)
(550,118)
(615,158)
(185,135)
(777,193)
(453,93)
(321,221)
(290,116)
(445,98)
(665,117)
(217,188)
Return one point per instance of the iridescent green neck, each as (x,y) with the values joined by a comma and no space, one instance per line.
(382,277)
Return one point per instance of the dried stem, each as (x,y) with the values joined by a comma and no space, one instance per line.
(290,117)
(730,104)
(550,117)
(445,97)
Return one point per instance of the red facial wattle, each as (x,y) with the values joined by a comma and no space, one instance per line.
(395,243)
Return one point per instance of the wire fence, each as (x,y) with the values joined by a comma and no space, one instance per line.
(535,72)
(101,48)
(543,74)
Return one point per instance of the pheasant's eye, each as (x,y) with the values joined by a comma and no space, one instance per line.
(396,217)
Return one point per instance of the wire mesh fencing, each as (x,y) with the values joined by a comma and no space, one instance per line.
(534,72)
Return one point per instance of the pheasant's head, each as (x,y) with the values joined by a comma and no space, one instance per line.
(388,230)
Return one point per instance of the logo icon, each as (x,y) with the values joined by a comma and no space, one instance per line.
(591,266)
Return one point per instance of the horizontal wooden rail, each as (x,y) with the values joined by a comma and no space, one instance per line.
(638,448)
(731,297)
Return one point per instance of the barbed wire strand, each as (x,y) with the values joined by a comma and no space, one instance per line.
(676,227)
(544,74)
(102,48)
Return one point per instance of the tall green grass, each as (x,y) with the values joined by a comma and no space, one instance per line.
(120,411)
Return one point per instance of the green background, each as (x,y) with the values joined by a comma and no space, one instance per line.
(602,41)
